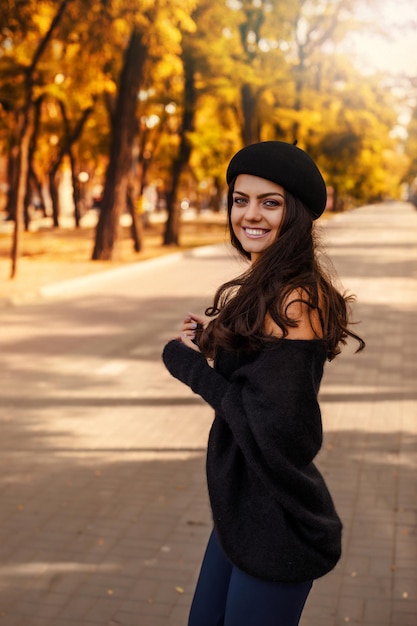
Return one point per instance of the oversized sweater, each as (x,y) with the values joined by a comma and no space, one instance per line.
(272,511)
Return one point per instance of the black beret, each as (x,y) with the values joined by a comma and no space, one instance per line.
(284,164)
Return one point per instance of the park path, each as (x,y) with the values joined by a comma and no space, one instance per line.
(103,505)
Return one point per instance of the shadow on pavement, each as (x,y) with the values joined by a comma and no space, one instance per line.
(115,534)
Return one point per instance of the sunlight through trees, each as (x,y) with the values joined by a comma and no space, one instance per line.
(134,99)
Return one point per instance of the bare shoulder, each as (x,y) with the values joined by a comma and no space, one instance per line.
(298,310)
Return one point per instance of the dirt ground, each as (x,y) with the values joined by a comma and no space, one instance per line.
(48,255)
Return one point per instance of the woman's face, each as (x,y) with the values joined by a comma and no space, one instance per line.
(257,213)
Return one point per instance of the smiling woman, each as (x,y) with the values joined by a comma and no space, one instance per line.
(257,211)
(268,333)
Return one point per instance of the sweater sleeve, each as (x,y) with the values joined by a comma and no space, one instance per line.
(192,369)
(270,404)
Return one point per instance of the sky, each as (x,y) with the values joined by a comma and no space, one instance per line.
(395,53)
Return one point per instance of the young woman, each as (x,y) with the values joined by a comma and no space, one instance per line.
(268,335)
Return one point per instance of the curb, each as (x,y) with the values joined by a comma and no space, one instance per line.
(82,284)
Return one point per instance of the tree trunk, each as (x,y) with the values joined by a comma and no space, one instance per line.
(21,188)
(216,195)
(31,153)
(137,224)
(172,227)
(70,137)
(123,131)
(53,192)
(26,204)
(37,187)
(13,168)
(24,129)
(250,127)
(76,196)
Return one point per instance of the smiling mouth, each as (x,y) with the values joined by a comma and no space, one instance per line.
(256,232)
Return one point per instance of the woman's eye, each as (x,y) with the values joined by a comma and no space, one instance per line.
(268,203)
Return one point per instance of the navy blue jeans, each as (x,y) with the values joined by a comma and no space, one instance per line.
(225,596)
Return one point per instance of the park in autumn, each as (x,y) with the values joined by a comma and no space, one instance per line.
(117,118)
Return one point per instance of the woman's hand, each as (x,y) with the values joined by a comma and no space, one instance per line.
(191,325)
(188,342)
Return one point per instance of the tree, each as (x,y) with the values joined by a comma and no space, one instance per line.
(72,80)
(149,38)
(206,103)
(257,58)
(133,92)
(171,235)
(23,128)
(70,136)
(124,131)
(411,150)
(33,185)
(352,139)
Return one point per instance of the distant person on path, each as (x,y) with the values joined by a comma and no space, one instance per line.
(267,335)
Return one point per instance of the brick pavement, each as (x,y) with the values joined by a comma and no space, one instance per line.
(104,515)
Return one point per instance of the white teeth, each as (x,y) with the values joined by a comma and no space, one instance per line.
(255,231)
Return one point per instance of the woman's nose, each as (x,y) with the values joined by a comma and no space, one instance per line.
(252,212)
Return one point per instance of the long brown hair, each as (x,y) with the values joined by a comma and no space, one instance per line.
(290,264)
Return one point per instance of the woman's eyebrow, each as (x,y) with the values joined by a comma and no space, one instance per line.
(261,195)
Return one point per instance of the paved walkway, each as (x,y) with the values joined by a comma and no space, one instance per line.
(103,506)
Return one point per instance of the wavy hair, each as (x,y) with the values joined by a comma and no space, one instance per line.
(291,263)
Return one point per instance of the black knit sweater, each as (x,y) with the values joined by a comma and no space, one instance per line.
(272,511)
